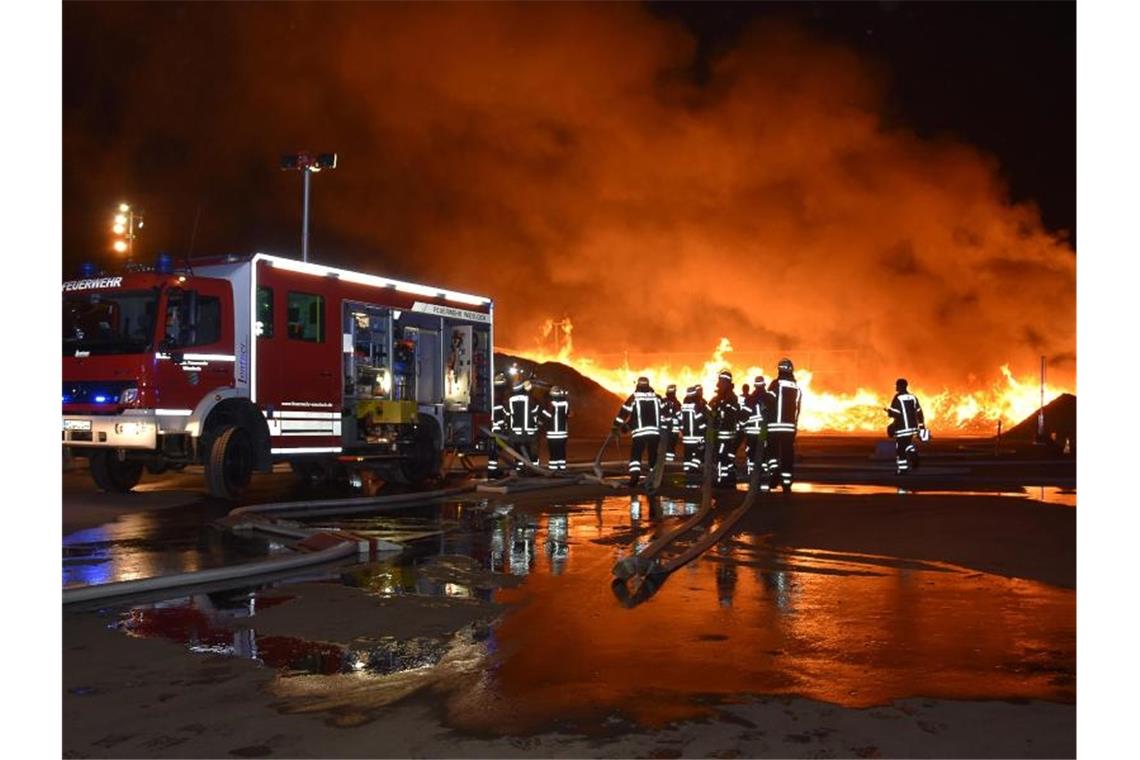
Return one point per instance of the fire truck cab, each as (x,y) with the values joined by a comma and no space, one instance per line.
(239,362)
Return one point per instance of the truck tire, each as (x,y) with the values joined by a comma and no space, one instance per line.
(113,476)
(229,463)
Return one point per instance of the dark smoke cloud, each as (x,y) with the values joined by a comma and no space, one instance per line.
(564,159)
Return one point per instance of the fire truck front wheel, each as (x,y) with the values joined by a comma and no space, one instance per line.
(111,474)
(229,464)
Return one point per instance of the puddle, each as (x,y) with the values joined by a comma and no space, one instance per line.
(220,625)
(1046,494)
(148,544)
(748,618)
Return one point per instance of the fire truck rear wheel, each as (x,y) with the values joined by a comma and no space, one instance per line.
(112,475)
(229,465)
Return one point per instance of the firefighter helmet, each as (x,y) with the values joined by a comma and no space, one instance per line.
(900,385)
(558,392)
(500,378)
(785,365)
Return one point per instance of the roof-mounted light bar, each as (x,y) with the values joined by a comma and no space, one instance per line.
(360,278)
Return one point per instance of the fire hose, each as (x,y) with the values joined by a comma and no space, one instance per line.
(344,547)
(525,460)
(656,475)
(632,572)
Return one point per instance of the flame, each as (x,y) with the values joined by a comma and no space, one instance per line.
(1008,399)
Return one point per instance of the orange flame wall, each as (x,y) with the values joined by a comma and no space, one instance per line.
(860,410)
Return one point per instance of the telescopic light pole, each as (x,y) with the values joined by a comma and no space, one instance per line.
(307,163)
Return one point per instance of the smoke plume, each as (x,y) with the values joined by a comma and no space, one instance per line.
(565,160)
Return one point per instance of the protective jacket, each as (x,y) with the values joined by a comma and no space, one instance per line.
(726,414)
(642,412)
(671,411)
(555,418)
(693,419)
(522,411)
(757,411)
(785,403)
(906,414)
(500,418)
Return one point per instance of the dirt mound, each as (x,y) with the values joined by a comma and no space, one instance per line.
(1060,423)
(592,407)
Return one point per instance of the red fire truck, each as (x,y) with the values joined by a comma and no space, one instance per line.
(236,363)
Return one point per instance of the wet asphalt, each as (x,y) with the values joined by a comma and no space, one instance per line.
(752,616)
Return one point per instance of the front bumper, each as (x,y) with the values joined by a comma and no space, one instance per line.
(137,429)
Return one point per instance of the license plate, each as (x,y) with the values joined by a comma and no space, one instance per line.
(77,425)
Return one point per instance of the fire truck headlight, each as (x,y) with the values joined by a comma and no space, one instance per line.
(129,396)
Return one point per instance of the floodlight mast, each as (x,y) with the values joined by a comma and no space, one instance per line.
(307,163)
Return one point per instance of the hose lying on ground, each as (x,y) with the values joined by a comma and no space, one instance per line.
(637,568)
(347,506)
(523,459)
(245,572)
(348,547)
(599,476)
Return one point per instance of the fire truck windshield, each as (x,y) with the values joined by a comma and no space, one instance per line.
(100,322)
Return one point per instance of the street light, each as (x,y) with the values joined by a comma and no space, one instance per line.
(126,225)
(307,163)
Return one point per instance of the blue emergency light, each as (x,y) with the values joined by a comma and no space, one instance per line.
(164,264)
(87,270)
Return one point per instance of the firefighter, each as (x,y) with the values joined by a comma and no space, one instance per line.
(786,396)
(726,419)
(906,422)
(641,414)
(742,402)
(693,424)
(523,415)
(499,425)
(756,430)
(555,418)
(670,411)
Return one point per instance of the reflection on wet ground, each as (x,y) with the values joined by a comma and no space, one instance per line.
(1045,494)
(220,624)
(147,544)
(750,617)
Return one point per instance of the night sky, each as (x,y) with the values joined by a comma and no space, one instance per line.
(520,150)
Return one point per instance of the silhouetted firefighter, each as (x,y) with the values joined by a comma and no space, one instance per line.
(906,422)
(694,420)
(786,397)
(500,424)
(641,414)
(670,409)
(555,417)
(756,429)
(727,421)
(523,415)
